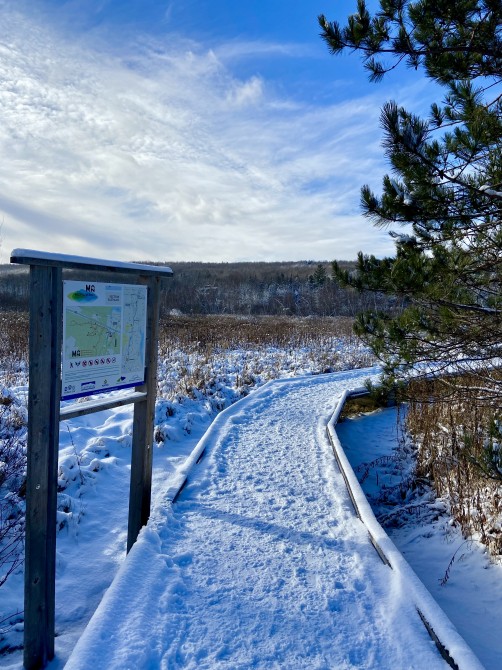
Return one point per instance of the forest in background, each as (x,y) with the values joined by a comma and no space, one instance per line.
(303,288)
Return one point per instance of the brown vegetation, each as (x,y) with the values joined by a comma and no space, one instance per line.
(201,332)
(14,330)
(225,332)
(359,405)
(460,450)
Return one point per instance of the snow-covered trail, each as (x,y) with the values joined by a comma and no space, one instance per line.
(261,562)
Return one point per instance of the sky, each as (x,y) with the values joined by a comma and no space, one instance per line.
(188,130)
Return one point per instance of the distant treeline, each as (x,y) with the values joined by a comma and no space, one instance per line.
(302,288)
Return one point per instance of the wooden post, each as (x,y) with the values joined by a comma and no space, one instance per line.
(143,422)
(44,414)
(41,485)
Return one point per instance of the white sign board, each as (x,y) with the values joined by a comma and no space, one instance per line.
(104,331)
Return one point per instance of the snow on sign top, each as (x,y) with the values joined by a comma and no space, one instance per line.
(32,257)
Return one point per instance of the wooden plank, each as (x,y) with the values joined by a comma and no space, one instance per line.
(32,257)
(41,485)
(143,422)
(82,408)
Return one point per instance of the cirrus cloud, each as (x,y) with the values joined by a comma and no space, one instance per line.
(156,151)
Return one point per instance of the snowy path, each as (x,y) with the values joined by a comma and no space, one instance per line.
(261,561)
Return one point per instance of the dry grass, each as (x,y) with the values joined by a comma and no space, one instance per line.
(460,450)
(193,349)
(359,405)
(230,332)
(14,329)
(204,332)
(200,353)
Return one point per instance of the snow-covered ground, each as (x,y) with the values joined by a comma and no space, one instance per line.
(261,562)
(299,582)
(94,463)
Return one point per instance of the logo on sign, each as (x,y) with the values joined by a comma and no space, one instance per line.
(84,295)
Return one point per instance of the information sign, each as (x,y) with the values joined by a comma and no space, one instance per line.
(104,331)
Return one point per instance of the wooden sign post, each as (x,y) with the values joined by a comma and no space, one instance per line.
(44,416)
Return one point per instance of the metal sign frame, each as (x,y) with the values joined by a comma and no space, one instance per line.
(44,416)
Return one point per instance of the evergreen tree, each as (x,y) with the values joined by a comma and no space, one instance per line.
(445,188)
(319,276)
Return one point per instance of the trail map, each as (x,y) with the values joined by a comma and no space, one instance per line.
(104,329)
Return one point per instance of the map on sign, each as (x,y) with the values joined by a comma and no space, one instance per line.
(104,329)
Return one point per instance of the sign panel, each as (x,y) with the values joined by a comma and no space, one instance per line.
(104,332)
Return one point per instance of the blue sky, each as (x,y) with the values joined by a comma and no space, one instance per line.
(187,130)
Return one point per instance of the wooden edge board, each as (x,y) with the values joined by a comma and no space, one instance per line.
(81,409)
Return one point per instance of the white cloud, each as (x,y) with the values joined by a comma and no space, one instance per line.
(238,49)
(161,154)
(246,93)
